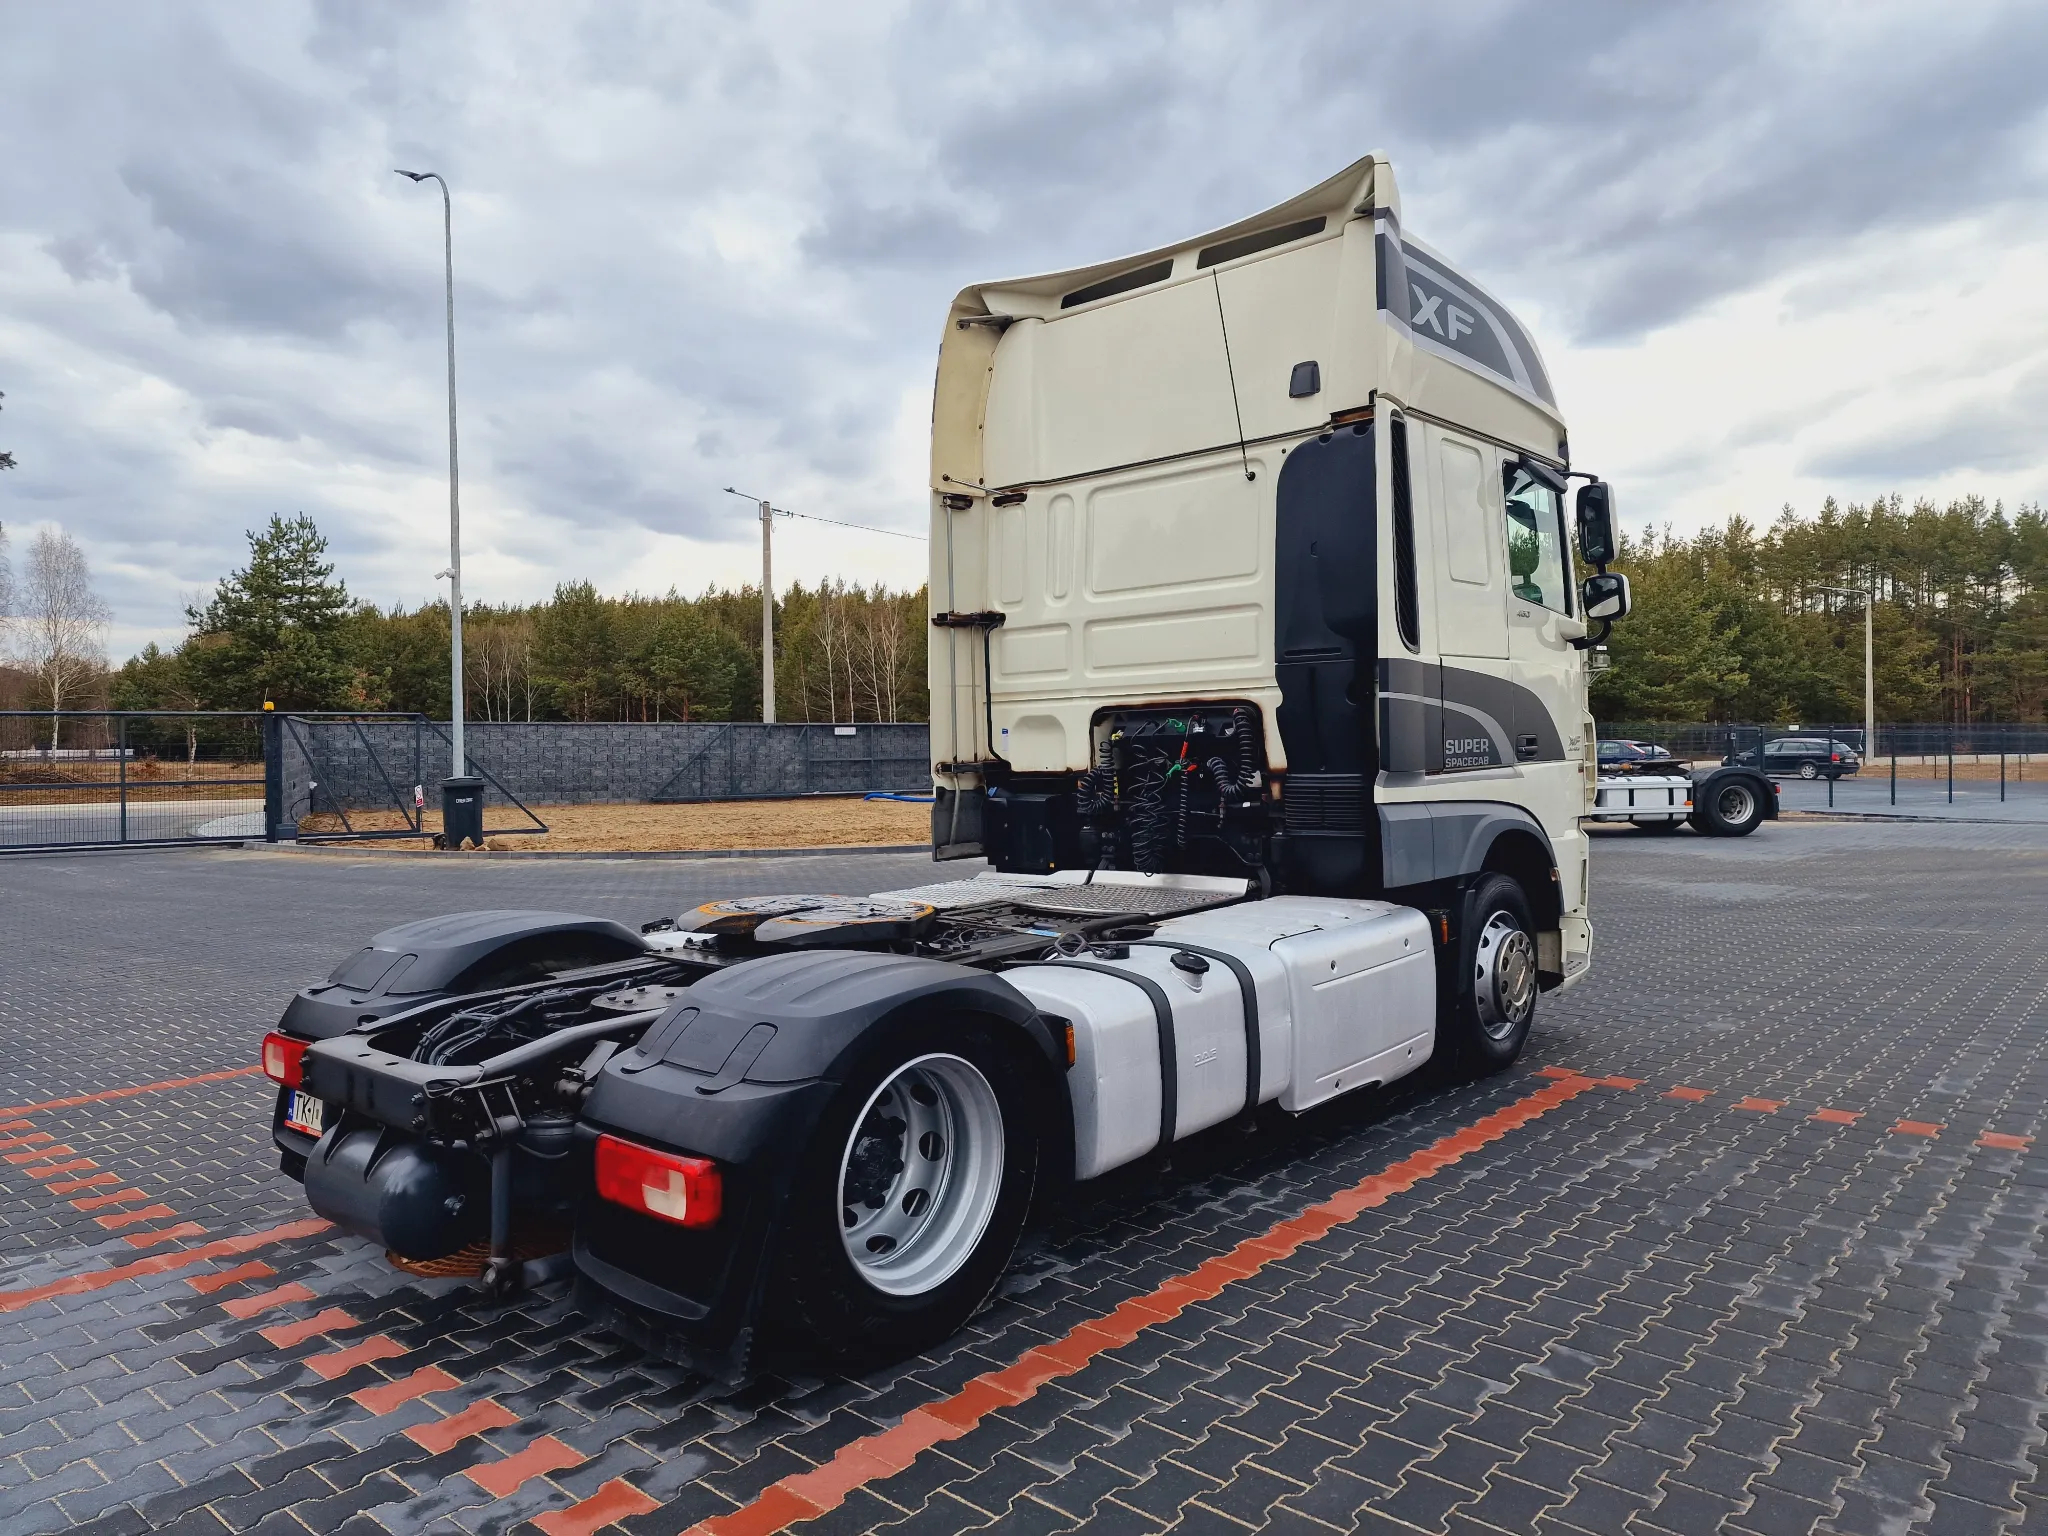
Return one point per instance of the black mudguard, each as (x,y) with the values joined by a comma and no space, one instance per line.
(413,963)
(1704,780)
(740,1073)
(463,954)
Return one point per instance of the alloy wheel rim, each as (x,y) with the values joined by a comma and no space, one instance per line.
(920,1175)
(1504,976)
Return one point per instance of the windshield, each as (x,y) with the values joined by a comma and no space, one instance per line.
(1536,547)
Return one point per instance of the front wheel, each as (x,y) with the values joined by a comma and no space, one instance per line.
(912,1193)
(1486,1021)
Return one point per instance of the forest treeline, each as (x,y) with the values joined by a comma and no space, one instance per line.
(285,629)
(1734,622)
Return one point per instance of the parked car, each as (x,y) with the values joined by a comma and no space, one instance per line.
(1808,757)
(1619,753)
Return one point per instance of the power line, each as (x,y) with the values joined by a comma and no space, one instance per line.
(812,517)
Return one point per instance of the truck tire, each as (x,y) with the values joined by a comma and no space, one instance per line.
(913,1192)
(1486,1020)
(1732,808)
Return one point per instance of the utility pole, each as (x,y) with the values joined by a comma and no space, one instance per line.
(1869,676)
(767,614)
(767,511)
(1869,687)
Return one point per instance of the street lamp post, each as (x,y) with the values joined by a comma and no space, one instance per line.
(461,797)
(1869,685)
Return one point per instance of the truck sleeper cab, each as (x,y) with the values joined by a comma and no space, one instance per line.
(1258,681)
(1250,557)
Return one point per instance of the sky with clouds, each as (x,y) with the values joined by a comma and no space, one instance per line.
(1771,251)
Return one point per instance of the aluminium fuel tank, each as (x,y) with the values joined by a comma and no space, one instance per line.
(1294,999)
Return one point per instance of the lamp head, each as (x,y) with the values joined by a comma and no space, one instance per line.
(415,175)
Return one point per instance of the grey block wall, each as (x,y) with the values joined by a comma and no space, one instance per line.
(374,764)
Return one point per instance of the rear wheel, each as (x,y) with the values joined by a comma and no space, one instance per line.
(913,1193)
(1809,771)
(1486,1022)
(1731,809)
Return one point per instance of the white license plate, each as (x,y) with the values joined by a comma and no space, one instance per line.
(305,1113)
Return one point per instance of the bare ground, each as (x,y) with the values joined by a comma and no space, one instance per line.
(99,782)
(808,823)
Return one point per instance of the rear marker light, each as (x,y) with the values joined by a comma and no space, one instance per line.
(284,1059)
(687,1191)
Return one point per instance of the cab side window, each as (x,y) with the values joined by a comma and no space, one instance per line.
(1538,571)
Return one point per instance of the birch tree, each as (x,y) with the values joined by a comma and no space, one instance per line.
(63,624)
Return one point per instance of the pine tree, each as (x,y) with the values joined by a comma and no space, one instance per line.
(276,630)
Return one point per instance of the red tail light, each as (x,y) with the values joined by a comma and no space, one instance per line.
(665,1185)
(283,1059)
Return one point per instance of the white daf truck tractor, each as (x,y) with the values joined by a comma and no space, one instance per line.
(1259,683)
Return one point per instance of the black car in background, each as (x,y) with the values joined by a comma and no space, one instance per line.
(1805,757)
(1615,754)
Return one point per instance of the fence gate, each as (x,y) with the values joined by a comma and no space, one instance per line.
(111,779)
(374,776)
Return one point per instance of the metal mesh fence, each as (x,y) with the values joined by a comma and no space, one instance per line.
(89,778)
(350,765)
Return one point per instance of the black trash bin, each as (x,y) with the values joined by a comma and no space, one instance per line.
(462,812)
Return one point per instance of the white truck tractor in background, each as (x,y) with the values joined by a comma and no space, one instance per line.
(1258,678)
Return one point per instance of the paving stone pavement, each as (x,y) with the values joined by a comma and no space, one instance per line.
(1750,1241)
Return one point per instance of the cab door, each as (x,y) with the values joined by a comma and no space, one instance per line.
(1548,722)
(1471,615)
(1471,601)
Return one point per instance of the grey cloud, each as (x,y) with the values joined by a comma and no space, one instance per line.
(867,235)
(227,165)
(1990,433)
(232,251)
(261,418)
(84,258)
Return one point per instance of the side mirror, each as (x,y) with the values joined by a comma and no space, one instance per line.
(1539,471)
(1595,508)
(1604,597)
